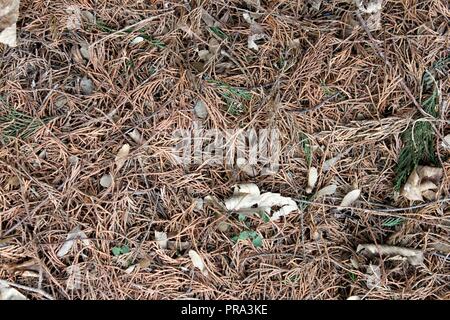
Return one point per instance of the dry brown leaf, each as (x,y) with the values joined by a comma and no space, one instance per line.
(197,261)
(121,156)
(421,181)
(414,257)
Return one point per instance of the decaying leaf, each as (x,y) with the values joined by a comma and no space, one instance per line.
(136,40)
(73,235)
(421,182)
(326,191)
(312,179)
(349,198)
(315,4)
(12,183)
(446,142)
(161,239)
(136,136)
(197,261)
(86,86)
(9,293)
(354,298)
(247,197)
(414,257)
(373,273)
(372,10)
(9,13)
(178,245)
(121,156)
(256,32)
(106,180)
(200,109)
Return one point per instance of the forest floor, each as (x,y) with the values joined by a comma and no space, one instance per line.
(89,102)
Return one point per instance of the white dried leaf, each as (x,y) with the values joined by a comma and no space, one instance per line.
(73,235)
(136,136)
(9,13)
(326,191)
(199,204)
(315,4)
(354,298)
(84,50)
(8,36)
(204,55)
(161,239)
(246,196)
(373,276)
(313,175)
(421,181)
(251,41)
(122,155)
(349,198)
(197,261)
(446,142)
(200,109)
(369,6)
(414,257)
(106,180)
(86,86)
(136,40)
(9,293)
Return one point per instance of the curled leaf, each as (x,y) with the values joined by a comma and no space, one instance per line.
(73,235)
(122,155)
(414,257)
(421,181)
(312,179)
(197,261)
(161,239)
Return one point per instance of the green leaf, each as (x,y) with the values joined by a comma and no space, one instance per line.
(242,217)
(265,217)
(116,251)
(252,234)
(244,235)
(125,249)
(235,239)
(258,242)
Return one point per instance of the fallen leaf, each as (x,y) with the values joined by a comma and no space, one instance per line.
(372,10)
(178,245)
(161,239)
(248,198)
(121,156)
(197,261)
(9,13)
(86,86)
(354,298)
(446,142)
(414,257)
(73,235)
(315,4)
(84,51)
(9,293)
(328,164)
(12,183)
(349,198)
(312,179)
(106,180)
(421,181)
(326,191)
(136,40)
(200,109)
(373,273)
(136,136)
